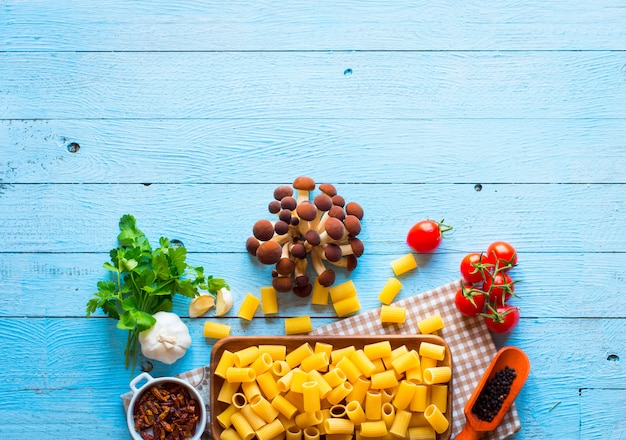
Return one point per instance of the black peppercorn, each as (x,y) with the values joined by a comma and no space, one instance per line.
(493,394)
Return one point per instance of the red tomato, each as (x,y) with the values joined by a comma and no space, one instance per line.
(426,235)
(500,288)
(502,319)
(469,300)
(473,269)
(501,254)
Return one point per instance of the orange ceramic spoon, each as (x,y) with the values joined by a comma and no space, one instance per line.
(514,358)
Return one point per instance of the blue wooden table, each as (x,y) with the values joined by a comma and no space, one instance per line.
(505,118)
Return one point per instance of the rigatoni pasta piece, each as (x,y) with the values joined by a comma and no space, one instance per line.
(347,306)
(437,420)
(250,389)
(293,433)
(284,406)
(390,291)
(403,264)
(342,291)
(385,379)
(437,375)
(295,357)
(421,398)
(239,400)
(387,414)
(363,363)
(269,303)
(248,307)
(319,294)
(392,314)
(311,433)
(339,393)
(377,350)
(355,412)
(229,434)
(311,396)
(374,429)
(246,356)
(270,431)
(268,385)
(280,368)
(262,363)
(335,376)
(404,394)
(236,374)
(252,417)
(439,396)
(242,426)
(373,405)
(277,352)
(422,433)
(433,351)
(298,325)
(400,424)
(338,426)
(215,330)
(431,324)
(263,408)
(351,371)
(227,359)
(306,419)
(337,354)
(227,390)
(223,418)
(322,384)
(359,390)
(405,361)
(317,361)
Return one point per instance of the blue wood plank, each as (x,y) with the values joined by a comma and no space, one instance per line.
(192,25)
(421,151)
(393,85)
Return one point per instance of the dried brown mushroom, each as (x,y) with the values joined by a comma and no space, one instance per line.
(319,228)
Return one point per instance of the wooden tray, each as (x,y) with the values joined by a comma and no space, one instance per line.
(235,343)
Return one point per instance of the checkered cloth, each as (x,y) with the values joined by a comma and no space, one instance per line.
(468,338)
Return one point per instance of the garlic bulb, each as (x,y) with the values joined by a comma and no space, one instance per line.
(167,340)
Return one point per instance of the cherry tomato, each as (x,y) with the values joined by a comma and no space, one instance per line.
(469,300)
(473,269)
(502,319)
(426,235)
(501,254)
(500,288)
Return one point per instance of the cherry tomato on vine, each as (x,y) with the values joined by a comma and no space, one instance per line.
(502,254)
(426,235)
(500,288)
(502,319)
(469,300)
(473,269)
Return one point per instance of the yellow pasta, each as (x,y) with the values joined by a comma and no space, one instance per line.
(422,433)
(418,419)
(373,405)
(400,424)
(363,363)
(268,385)
(436,419)
(295,357)
(306,419)
(280,368)
(342,291)
(311,396)
(293,433)
(248,307)
(262,363)
(405,361)
(359,390)
(338,426)
(317,361)
(296,399)
(227,359)
(337,354)
(390,291)
(433,351)
(392,315)
(379,366)
(264,408)
(439,396)
(255,420)
(374,429)
(250,390)
(298,325)
(351,371)
(269,303)
(270,431)
(324,387)
(339,393)
(421,398)
(323,347)
(235,374)
(319,294)
(427,363)
(334,377)
(385,379)
(277,352)
(388,394)
(227,390)
(299,377)
(347,306)
(215,330)
(311,433)
(355,412)
(404,394)
(284,406)
(437,375)
(395,353)
(246,356)
(223,418)
(404,264)
(388,414)
(229,434)
(377,350)
(414,374)
(431,324)
(338,410)
(242,426)
(239,400)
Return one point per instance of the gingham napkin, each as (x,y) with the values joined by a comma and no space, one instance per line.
(468,338)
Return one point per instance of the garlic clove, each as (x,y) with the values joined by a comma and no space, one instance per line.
(200,305)
(224,302)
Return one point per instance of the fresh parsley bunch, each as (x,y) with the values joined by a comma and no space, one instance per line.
(145,280)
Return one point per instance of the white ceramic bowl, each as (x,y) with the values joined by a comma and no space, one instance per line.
(150,381)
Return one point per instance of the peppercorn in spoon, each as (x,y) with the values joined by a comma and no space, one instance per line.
(495,392)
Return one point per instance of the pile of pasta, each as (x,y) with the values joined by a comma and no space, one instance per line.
(337,393)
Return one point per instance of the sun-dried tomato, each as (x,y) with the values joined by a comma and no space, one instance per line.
(166,412)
